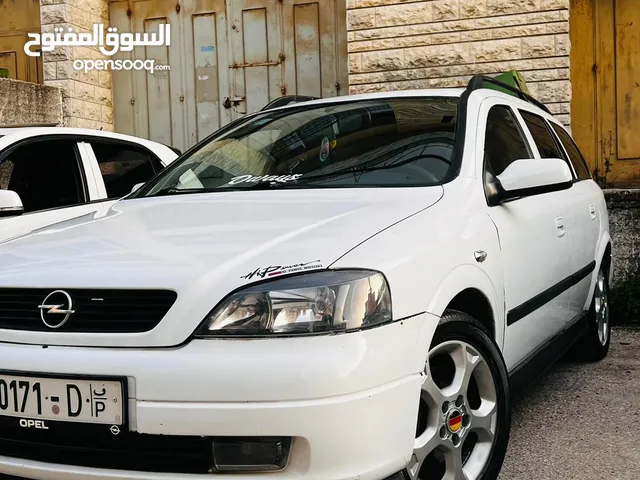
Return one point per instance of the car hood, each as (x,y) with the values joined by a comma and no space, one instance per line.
(203,246)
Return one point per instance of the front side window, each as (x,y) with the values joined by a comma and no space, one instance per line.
(46,174)
(504,141)
(576,158)
(372,143)
(123,166)
(542,137)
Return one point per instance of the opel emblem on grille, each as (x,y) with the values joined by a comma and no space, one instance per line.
(56,309)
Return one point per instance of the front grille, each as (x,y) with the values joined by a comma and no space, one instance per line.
(95,311)
(127,451)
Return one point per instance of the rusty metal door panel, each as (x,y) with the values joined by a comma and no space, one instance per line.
(124,101)
(257,46)
(627,54)
(306,35)
(206,67)
(312,41)
(227,58)
(155,91)
(159,89)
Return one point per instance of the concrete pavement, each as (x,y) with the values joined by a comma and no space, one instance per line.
(581,421)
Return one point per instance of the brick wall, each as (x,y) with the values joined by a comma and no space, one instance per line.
(404,44)
(87,96)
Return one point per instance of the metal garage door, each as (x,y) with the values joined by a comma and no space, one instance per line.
(227,58)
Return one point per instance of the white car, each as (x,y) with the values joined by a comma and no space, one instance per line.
(51,174)
(348,288)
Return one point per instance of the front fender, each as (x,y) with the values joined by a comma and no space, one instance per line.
(469,277)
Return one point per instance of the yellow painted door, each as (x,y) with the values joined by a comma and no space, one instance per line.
(17,18)
(627,55)
(605,75)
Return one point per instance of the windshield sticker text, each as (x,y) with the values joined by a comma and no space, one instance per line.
(273,270)
(264,178)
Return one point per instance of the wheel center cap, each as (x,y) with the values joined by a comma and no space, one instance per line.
(454,421)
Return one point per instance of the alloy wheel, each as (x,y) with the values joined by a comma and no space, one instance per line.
(601,297)
(458,415)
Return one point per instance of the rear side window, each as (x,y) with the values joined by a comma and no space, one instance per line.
(542,136)
(576,158)
(504,142)
(123,166)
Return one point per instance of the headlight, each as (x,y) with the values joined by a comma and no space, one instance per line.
(313,303)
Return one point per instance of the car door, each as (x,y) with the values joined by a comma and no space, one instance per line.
(583,224)
(533,241)
(49,174)
(119,166)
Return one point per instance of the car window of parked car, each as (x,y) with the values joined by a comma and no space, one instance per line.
(504,140)
(542,136)
(371,143)
(575,156)
(45,173)
(124,166)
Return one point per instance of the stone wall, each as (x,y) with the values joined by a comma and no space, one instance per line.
(624,221)
(405,44)
(25,104)
(87,96)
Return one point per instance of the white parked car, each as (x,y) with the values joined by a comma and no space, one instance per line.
(51,174)
(349,288)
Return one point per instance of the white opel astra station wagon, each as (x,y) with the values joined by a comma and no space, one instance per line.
(348,288)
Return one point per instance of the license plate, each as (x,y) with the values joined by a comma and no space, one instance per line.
(62,399)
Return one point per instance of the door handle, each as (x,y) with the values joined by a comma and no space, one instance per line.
(592,211)
(560,228)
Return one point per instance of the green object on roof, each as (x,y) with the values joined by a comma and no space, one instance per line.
(4,73)
(512,78)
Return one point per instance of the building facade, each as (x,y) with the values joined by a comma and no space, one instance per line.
(230,57)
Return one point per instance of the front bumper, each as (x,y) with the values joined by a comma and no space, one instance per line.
(349,401)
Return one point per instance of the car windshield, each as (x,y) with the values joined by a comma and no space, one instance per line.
(374,143)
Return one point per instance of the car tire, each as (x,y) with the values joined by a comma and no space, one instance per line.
(594,344)
(464,419)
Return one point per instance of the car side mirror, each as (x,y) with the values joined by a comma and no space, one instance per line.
(136,187)
(528,177)
(10,204)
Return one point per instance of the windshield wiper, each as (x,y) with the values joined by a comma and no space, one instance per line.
(176,191)
(231,188)
(264,186)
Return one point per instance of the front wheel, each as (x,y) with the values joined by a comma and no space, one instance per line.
(465,411)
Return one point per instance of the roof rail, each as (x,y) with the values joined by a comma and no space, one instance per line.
(478,81)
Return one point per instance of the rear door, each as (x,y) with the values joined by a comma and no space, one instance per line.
(585,224)
(581,218)
(533,241)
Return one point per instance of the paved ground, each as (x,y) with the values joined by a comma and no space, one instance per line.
(581,421)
